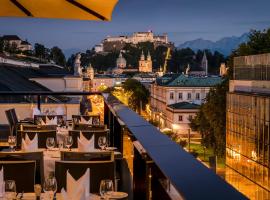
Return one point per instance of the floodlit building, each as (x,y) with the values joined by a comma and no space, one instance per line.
(145,65)
(248,128)
(175,99)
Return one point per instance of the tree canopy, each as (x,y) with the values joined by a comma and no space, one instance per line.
(139,94)
(57,56)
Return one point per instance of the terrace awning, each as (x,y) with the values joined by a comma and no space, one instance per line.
(61,9)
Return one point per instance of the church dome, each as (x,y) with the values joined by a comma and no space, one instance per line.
(121,61)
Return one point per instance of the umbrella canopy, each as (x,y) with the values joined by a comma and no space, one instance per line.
(62,9)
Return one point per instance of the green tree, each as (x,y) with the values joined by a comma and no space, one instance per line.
(139,94)
(1,44)
(41,52)
(57,56)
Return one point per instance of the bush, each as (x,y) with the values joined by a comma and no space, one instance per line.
(183,143)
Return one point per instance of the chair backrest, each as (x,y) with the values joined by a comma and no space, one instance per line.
(24,156)
(33,127)
(14,116)
(98,170)
(42,137)
(11,122)
(22,172)
(87,156)
(87,134)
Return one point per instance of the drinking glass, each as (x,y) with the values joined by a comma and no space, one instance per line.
(106,188)
(60,145)
(50,143)
(10,189)
(50,187)
(12,142)
(69,142)
(102,142)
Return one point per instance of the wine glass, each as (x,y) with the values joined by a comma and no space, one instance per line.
(69,142)
(10,189)
(102,142)
(50,187)
(106,188)
(11,142)
(50,143)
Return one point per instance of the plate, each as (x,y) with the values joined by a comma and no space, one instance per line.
(118,195)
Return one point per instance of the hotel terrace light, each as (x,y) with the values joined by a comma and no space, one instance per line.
(59,9)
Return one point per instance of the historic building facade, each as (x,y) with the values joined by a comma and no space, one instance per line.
(248,118)
(145,65)
(175,99)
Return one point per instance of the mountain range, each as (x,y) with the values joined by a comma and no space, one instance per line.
(225,45)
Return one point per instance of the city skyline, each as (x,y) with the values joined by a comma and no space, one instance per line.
(182,20)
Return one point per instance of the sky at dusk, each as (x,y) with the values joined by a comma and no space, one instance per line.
(183,20)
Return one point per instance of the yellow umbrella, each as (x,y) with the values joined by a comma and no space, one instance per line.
(62,9)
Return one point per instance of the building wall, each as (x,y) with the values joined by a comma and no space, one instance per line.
(25,110)
(161,98)
(248,135)
(101,82)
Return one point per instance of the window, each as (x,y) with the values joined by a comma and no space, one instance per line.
(190,117)
(189,96)
(180,96)
(171,95)
(180,118)
(197,96)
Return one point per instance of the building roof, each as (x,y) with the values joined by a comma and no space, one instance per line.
(16,79)
(184,105)
(25,43)
(11,37)
(188,81)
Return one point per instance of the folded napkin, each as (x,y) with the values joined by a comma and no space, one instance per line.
(52,121)
(77,189)
(85,145)
(30,145)
(84,121)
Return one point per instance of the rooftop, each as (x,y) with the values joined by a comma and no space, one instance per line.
(184,105)
(11,37)
(181,80)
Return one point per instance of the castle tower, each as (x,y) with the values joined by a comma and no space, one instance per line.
(121,61)
(77,65)
(204,64)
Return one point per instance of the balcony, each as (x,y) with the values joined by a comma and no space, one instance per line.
(150,165)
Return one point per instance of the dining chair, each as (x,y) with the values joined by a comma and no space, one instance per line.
(22,172)
(99,170)
(87,156)
(87,134)
(37,156)
(42,137)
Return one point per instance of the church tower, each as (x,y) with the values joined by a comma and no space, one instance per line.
(145,65)
(204,64)
(90,72)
